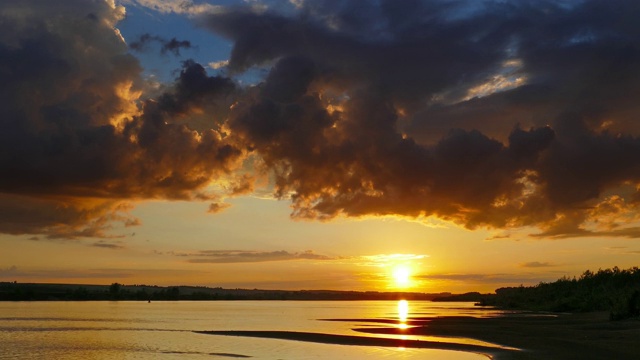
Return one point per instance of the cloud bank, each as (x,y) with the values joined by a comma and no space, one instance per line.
(247,256)
(489,115)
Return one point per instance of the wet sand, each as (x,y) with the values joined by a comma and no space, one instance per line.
(563,336)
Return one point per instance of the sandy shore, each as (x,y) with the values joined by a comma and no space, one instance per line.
(565,336)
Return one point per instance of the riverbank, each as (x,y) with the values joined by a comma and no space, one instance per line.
(561,336)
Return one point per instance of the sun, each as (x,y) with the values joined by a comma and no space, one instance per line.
(402,276)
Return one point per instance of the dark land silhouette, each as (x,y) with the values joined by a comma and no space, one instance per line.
(14,291)
(616,291)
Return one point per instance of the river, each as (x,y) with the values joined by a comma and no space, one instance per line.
(165,330)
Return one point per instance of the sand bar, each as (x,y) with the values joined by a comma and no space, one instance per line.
(540,336)
(490,352)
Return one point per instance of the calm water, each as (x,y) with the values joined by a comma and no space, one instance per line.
(164,330)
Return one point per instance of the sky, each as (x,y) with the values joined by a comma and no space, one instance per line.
(373,145)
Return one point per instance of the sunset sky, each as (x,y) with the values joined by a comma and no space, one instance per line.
(445,145)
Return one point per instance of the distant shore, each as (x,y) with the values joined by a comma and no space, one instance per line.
(560,336)
(14,291)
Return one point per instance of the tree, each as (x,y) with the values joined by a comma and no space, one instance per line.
(114,290)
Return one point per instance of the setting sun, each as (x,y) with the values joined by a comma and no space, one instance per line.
(401,276)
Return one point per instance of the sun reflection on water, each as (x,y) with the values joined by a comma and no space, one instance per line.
(403,314)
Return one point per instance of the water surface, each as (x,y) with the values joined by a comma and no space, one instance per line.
(165,330)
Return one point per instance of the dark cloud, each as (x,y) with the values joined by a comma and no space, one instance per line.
(173,45)
(108,245)
(631,232)
(77,140)
(404,64)
(487,114)
(495,115)
(217,207)
(194,88)
(499,237)
(62,217)
(244,256)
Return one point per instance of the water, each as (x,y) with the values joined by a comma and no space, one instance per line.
(164,330)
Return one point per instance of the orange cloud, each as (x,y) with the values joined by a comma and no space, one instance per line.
(79,141)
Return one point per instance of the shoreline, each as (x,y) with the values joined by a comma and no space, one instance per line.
(541,336)
(527,336)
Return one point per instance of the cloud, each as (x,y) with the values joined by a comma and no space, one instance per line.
(174,6)
(501,279)
(360,116)
(218,64)
(499,237)
(173,45)
(105,275)
(79,144)
(622,250)
(217,207)
(536,264)
(16,273)
(380,260)
(108,245)
(62,217)
(489,115)
(10,271)
(245,256)
(456,277)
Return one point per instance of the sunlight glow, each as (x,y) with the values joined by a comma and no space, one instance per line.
(402,276)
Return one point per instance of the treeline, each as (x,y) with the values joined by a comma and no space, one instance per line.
(55,292)
(613,290)
(13,291)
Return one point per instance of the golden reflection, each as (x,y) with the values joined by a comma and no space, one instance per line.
(403,314)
